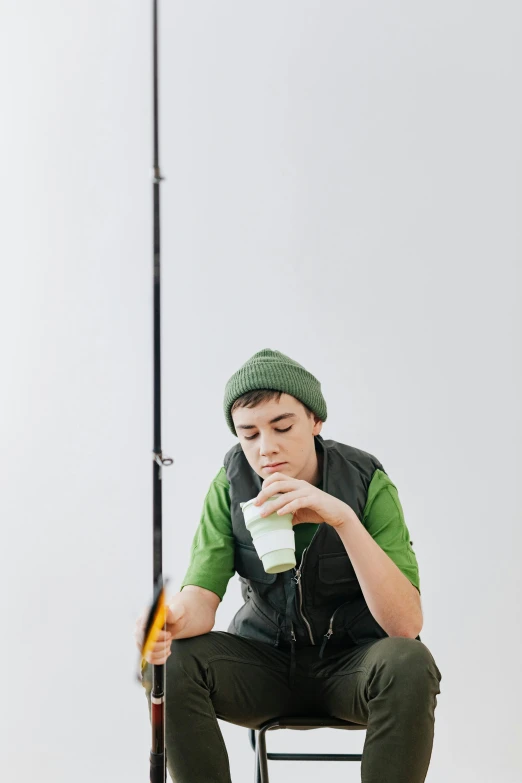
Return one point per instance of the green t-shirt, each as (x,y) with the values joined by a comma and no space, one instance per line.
(212,555)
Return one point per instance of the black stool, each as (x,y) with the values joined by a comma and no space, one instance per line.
(297,723)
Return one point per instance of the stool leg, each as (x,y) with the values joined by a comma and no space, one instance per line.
(261,760)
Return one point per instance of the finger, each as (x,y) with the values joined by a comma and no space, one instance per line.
(275,477)
(271,484)
(300,509)
(161,644)
(156,647)
(294,505)
(160,634)
(278,504)
(161,641)
(157,660)
(271,478)
(140,626)
(282,487)
(159,650)
(163,636)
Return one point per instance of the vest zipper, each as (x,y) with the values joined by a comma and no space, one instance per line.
(291,672)
(329,632)
(297,580)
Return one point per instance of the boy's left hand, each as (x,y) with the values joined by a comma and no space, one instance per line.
(306,502)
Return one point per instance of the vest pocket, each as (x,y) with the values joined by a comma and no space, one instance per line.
(264,616)
(248,564)
(353,622)
(336,569)
(364,628)
(252,623)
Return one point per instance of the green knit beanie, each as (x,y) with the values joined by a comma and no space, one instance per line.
(273,370)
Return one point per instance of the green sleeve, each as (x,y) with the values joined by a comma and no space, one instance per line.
(383,518)
(212,554)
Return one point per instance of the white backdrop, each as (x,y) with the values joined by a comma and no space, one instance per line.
(344,184)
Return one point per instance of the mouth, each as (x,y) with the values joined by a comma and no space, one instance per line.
(275,465)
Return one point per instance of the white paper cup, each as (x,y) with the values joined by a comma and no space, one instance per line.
(273,537)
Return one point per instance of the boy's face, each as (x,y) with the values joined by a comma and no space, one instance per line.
(264,443)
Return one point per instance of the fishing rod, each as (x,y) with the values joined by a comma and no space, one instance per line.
(158,756)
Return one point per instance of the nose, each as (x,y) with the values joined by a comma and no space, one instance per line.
(268,447)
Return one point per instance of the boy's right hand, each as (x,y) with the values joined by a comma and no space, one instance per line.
(176,620)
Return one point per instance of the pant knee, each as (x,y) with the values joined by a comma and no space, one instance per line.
(407,664)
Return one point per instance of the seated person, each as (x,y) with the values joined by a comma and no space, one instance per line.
(336,636)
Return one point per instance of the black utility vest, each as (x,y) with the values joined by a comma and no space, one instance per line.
(321,599)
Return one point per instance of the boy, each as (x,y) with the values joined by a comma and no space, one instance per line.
(338,635)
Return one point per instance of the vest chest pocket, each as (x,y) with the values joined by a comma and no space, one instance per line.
(336,569)
(249,565)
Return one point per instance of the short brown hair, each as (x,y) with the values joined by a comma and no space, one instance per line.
(253,398)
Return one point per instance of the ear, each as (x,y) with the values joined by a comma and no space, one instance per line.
(318,426)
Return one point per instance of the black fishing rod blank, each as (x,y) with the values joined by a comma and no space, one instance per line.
(158,759)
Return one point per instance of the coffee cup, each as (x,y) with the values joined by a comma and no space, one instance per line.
(273,536)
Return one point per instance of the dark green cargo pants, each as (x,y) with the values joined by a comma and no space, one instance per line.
(390,686)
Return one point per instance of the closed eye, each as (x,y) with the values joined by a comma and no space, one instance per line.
(255,436)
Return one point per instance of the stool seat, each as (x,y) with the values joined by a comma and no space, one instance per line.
(298,723)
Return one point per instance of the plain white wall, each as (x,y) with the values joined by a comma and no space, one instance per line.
(344,184)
